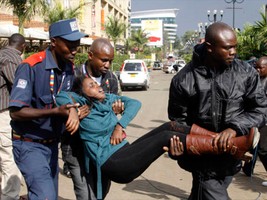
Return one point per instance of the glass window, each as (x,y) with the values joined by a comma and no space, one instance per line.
(132,67)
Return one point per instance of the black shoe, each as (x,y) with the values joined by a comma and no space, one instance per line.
(248,168)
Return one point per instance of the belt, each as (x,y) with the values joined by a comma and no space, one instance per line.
(16,136)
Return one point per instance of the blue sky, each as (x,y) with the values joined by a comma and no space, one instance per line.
(192,12)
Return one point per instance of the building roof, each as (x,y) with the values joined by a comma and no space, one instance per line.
(155,13)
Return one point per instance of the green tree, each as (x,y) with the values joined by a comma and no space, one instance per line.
(177,44)
(247,43)
(57,12)
(115,29)
(128,44)
(260,27)
(25,9)
(139,39)
(253,39)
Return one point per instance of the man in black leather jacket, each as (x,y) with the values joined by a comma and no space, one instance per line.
(222,94)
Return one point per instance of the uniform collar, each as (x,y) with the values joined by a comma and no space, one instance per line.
(50,63)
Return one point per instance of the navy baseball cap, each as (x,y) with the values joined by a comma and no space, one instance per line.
(67,29)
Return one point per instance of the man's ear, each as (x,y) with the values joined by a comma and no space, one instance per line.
(53,42)
(90,55)
(208,46)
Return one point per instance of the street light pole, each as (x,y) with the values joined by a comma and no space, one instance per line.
(214,15)
(234,1)
(202,29)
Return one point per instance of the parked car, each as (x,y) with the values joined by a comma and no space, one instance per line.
(134,73)
(181,63)
(157,65)
(169,67)
(172,67)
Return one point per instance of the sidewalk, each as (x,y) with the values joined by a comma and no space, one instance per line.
(165,180)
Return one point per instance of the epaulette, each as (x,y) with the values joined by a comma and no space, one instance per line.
(35,58)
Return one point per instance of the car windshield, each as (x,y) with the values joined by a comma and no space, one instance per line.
(132,67)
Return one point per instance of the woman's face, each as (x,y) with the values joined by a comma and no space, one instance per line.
(92,89)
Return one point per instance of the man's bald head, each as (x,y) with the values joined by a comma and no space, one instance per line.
(221,43)
(100,57)
(261,66)
(218,31)
(100,45)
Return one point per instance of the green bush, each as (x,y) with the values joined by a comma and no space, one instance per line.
(187,57)
(80,58)
(26,55)
(118,60)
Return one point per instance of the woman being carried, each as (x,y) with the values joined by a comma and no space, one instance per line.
(103,136)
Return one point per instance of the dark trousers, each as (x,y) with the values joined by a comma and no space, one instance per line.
(206,188)
(142,152)
(73,155)
(38,164)
(262,151)
(75,166)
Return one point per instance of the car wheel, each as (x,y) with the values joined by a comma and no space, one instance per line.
(145,87)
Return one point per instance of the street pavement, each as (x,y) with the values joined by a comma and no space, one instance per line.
(164,179)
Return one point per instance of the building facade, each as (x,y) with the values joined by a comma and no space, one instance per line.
(167,16)
(93,16)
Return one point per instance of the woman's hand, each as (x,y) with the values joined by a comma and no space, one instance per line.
(83,111)
(117,135)
(118,107)
(176,147)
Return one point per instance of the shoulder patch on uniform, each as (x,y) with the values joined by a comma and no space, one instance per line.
(35,58)
(22,83)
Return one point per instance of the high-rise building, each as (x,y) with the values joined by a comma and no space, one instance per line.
(152,20)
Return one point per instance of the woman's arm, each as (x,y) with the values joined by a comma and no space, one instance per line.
(131,108)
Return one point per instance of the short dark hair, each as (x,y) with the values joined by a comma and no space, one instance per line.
(16,39)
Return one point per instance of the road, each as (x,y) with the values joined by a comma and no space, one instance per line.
(164,179)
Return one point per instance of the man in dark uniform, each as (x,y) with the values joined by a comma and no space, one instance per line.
(36,122)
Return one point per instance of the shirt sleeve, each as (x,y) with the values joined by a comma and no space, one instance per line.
(21,94)
(255,111)
(132,106)
(8,69)
(178,103)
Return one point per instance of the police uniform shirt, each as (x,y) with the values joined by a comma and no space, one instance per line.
(32,88)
